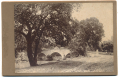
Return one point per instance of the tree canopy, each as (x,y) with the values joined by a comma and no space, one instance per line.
(33,21)
(93,30)
(89,32)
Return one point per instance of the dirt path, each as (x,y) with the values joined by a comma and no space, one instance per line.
(93,63)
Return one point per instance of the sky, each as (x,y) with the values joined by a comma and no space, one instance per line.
(102,11)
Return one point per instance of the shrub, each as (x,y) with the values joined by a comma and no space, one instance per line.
(77,49)
(107,46)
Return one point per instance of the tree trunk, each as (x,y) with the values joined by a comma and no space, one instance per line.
(36,50)
(36,46)
(30,52)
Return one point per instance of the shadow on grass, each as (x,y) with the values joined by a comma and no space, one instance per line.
(63,64)
(57,64)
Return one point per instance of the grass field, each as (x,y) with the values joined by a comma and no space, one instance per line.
(94,62)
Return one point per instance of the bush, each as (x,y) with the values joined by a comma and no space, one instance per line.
(107,46)
(77,49)
(81,51)
(78,45)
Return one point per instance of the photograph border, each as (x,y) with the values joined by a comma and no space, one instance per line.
(8,62)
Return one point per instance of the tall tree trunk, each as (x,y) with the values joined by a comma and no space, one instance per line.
(36,45)
(29,51)
(36,50)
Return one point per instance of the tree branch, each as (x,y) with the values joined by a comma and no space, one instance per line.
(36,33)
(17,31)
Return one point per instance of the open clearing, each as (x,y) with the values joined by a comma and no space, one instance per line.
(94,62)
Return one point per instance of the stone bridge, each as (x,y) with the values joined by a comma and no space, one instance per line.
(62,51)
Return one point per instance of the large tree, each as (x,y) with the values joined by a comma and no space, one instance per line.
(33,21)
(89,33)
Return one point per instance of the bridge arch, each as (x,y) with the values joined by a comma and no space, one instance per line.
(68,55)
(62,51)
(41,56)
(56,56)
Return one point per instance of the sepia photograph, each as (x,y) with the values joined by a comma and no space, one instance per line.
(63,37)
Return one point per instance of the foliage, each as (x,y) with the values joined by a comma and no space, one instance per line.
(89,33)
(92,31)
(20,44)
(37,21)
(107,46)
